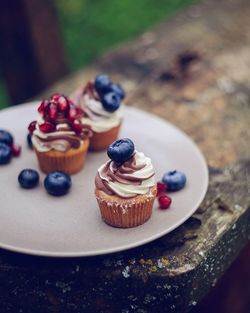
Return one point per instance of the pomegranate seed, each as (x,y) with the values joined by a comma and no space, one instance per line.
(52,111)
(62,103)
(164,202)
(47,127)
(79,112)
(161,188)
(72,112)
(70,102)
(16,150)
(77,126)
(55,96)
(41,109)
(32,127)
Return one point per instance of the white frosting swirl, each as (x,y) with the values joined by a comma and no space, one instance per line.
(145,174)
(98,118)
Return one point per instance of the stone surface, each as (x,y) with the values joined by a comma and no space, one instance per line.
(193,70)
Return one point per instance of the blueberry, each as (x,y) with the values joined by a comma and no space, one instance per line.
(29,141)
(5,153)
(121,150)
(116,88)
(28,178)
(57,183)
(6,137)
(102,83)
(111,102)
(175,180)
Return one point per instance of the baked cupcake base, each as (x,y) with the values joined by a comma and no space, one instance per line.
(125,213)
(70,162)
(101,141)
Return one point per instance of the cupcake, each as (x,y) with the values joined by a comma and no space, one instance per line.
(60,140)
(125,186)
(100,100)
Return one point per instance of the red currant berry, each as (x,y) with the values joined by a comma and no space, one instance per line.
(47,127)
(32,127)
(16,150)
(164,202)
(161,188)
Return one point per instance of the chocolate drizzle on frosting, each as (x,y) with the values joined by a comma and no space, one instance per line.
(62,139)
(73,141)
(133,177)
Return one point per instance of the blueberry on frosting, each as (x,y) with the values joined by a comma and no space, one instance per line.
(121,150)
(102,83)
(116,88)
(111,102)
(110,94)
(129,173)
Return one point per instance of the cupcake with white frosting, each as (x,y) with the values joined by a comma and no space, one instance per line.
(125,186)
(59,137)
(101,102)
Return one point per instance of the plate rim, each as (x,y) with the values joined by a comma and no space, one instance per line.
(42,253)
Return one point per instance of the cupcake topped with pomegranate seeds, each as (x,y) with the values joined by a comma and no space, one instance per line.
(125,186)
(101,101)
(59,137)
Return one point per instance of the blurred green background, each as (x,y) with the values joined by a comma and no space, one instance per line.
(91,27)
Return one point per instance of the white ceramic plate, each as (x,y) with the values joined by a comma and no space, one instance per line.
(33,222)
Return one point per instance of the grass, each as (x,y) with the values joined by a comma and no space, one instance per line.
(91,27)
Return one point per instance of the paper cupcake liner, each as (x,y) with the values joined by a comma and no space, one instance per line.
(101,141)
(70,162)
(125,215)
